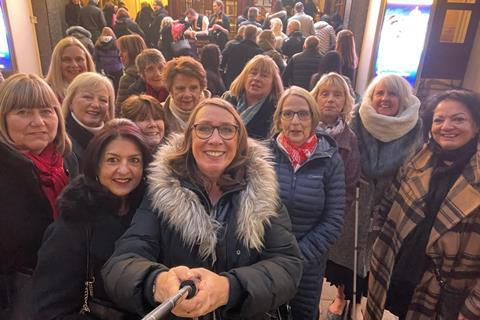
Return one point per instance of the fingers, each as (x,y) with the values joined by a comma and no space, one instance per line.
(168,283)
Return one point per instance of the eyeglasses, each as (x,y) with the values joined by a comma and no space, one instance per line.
(205,131)
(302,115)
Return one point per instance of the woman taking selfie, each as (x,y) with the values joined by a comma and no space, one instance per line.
(212,215)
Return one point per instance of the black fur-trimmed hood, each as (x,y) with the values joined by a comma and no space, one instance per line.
(181,208)
(83,200)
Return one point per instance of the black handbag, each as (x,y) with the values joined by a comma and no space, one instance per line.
(181,46)
(99,309)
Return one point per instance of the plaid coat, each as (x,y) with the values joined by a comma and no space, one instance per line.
(458,221)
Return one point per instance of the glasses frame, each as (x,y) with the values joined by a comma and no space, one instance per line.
(194,127)
(297,113)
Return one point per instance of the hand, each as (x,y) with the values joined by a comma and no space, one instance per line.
(461,317)
(168,283)
(189,34)
(212,293)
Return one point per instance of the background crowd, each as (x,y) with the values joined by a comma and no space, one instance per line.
(158,150)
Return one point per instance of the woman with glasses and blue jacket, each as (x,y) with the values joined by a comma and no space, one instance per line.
(212,215)
(312,186)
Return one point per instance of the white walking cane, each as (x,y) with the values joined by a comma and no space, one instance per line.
(355,255)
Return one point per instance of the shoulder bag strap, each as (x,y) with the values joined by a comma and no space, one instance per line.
(89,277)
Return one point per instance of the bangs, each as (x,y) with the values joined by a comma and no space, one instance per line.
(263,66)
(29,94)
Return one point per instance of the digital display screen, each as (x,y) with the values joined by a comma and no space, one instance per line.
(5,53)
(402,38)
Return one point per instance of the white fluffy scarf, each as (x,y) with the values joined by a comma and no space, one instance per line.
(386,128)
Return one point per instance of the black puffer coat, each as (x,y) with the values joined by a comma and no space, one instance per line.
(58,281)
(301,67)
(174,226)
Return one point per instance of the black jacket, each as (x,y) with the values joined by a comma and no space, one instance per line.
(257,252)
(72,14)
(293,44)
(261,123)
(26,212)
(92,19)
(236,56)
(79,136)
(301,67)
(125,27)
(58,280)
(153,33)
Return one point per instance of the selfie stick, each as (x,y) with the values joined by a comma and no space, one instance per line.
(162,310)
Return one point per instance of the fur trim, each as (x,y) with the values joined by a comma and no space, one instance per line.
(182,209)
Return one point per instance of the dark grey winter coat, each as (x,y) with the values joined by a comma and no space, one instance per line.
(177,225)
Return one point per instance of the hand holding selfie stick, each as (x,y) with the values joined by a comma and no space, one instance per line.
(162,310)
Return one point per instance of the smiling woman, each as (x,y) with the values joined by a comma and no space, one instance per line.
(89,103)
(96,208)
(213,206)
(69,59)
(436,252)
(35,165)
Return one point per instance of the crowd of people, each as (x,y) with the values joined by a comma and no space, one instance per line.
(158,150)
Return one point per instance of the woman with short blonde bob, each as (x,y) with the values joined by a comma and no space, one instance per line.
(35,166)
(255,93)
(334,102)
(312,186)
(69,59)
(89,103)
(222,183)
(147,113)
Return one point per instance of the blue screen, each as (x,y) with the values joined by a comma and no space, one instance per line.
(5,54)
(402,38)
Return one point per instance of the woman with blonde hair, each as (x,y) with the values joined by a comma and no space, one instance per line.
(255,93)
(312,186)
(130,47)
(276,25)
(345,46)
(89,103)
(266,42)
(69,59)
(335,103)
(166,38)
(36,164)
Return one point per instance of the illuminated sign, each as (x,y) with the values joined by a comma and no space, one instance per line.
(402,38)
(5,52)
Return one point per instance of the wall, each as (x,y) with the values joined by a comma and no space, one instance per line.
(472,76)
(23,36)
(366,53)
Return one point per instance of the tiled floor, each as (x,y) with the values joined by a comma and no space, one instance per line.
(328,293)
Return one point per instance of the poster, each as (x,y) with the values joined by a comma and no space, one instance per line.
(5,52)
(402,38)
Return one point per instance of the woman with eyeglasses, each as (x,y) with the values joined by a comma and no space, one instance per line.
(312,186)
(212,215)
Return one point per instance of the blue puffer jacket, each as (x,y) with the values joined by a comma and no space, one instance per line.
(314,196)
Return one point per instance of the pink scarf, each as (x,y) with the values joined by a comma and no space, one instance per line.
(298,154)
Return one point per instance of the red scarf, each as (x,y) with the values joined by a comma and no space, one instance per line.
(160,94)
(298,154)
(50,172)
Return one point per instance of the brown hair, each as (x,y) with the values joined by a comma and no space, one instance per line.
(182,160)
(133,44)
(142,107)
(148,57)
(187,66)
(346,48)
